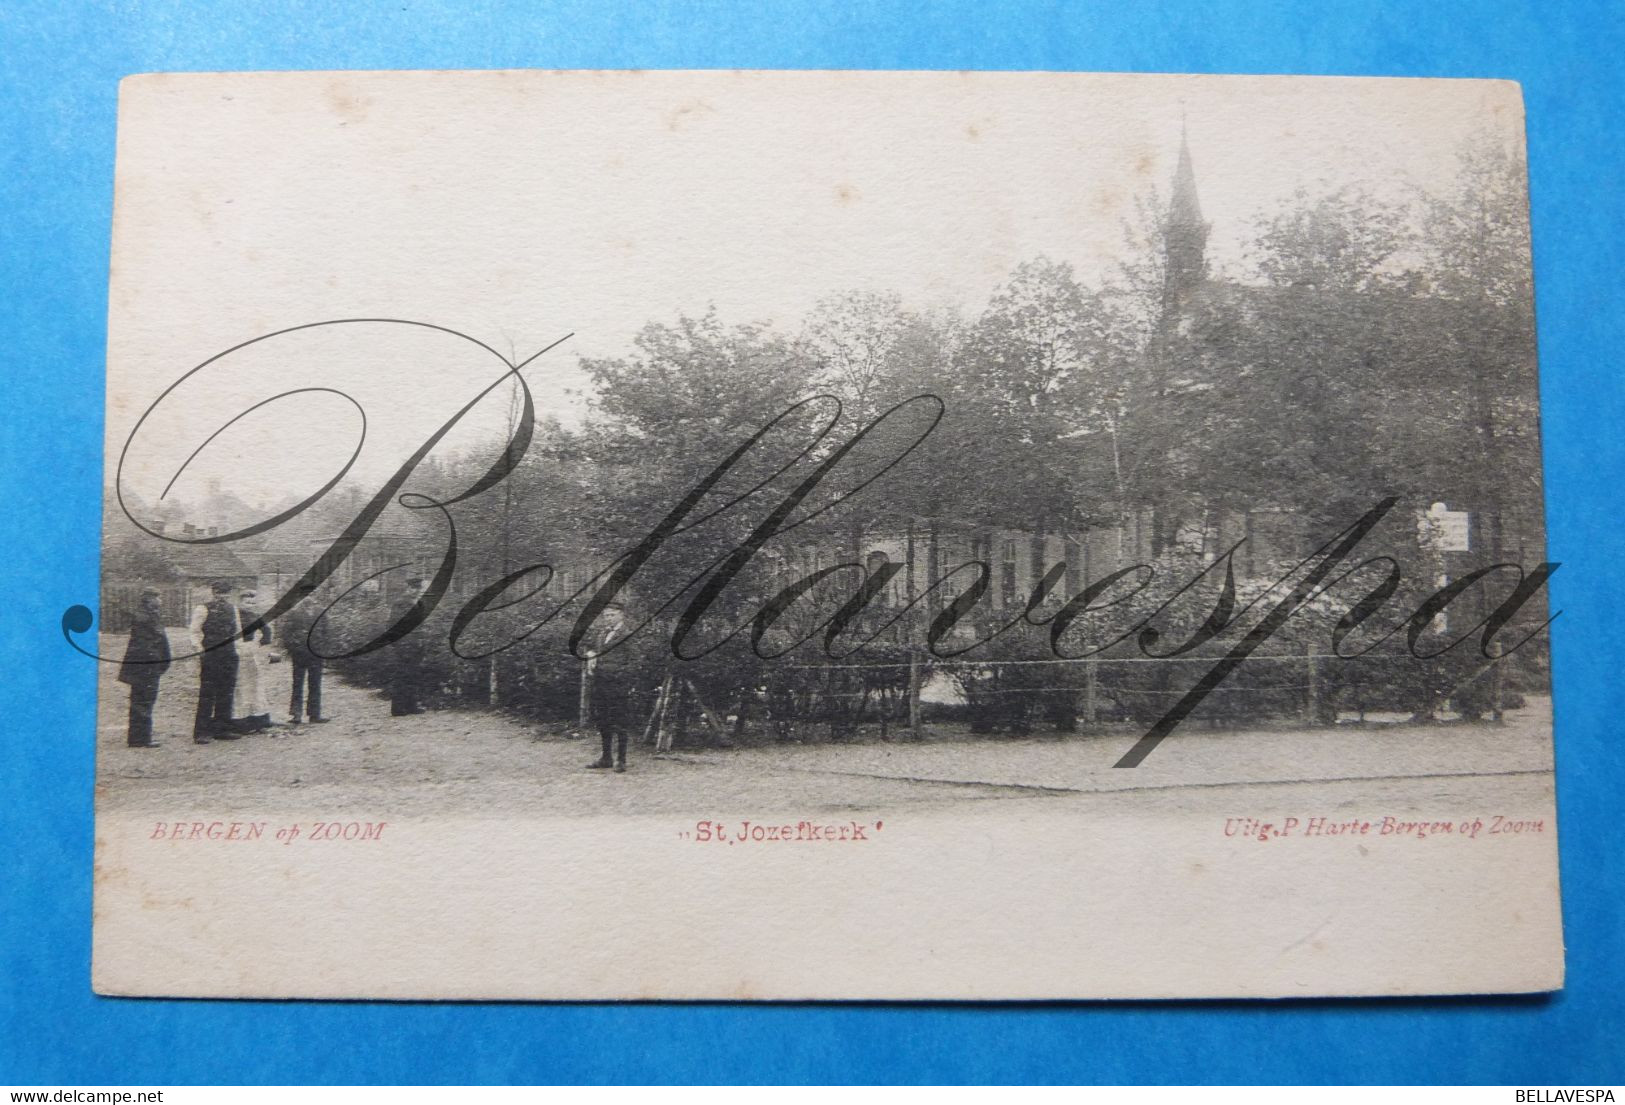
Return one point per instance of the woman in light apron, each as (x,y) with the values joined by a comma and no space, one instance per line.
(251,711)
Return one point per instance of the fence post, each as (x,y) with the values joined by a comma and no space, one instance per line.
(1313,697)
(914,693)
(1497,690)
(1089,667)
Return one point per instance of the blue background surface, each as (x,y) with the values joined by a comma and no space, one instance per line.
(59,68)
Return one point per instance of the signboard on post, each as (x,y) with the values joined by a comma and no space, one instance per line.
(1448,530)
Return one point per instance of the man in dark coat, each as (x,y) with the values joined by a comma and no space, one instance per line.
(406,656)
(146,658)
(215,626)
(618,673)
(307,666)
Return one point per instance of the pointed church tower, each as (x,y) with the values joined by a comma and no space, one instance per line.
(1168,358)
(1186,263)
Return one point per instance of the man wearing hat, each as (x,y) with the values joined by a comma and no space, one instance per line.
(618,680)
(146,658)
(215,628)
(297,628)
(406,657)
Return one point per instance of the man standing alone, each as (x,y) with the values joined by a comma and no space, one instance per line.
(145,661)
(405,656)
(307,665)
(618,679)
(214,633)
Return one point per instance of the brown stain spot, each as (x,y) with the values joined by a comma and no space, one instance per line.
(151,902)
(1198,867)
(846,195)
(1107,200)
(1318,945)
(686,113)
(102,875)
(979,127)
(1145,164)
(347,102)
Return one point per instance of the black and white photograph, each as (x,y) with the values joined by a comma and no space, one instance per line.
(822,535)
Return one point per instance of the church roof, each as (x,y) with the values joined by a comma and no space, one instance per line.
(1185,234)
(1185,208)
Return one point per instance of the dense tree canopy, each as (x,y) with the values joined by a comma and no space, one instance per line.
(1374,346)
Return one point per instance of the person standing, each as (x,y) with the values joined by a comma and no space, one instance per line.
(618,680)
(215,629)
(146,658)
(253,710)
(307,666)
(405,657)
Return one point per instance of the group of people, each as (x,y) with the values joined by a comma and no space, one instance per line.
(234,643)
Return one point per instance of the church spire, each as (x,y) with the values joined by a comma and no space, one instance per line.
(1186,265)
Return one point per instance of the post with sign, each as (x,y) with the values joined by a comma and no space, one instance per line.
(1446,531)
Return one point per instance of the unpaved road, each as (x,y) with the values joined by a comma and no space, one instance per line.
(478,763)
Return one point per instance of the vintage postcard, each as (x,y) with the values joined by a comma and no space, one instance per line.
(838,535)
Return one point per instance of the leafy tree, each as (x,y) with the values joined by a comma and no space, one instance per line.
(1346,240)
(854,338)
(665,417)
(1033,373)
(1477,259)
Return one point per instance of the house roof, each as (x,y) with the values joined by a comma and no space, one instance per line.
(146,558)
